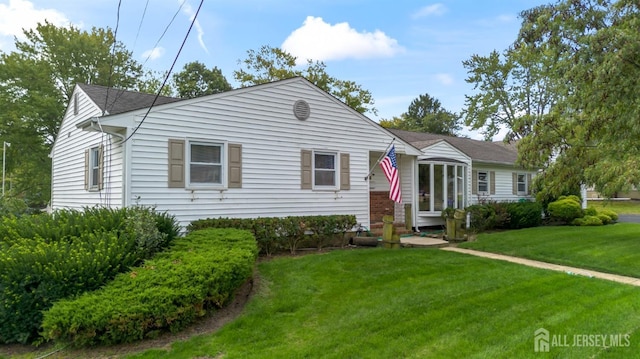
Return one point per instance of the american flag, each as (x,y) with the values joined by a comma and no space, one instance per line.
(390,168)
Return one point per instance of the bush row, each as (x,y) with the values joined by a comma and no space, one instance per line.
(286,233)
(505,215)
(199,272)
(47,257)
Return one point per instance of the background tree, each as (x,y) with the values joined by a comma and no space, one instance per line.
(272,64)
(196,80)
(36,83)
(426,114)
(586,55)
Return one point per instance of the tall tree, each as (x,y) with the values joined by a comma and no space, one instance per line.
(590,134)
(426,114)
(36,83)
(196,80)
(272,64)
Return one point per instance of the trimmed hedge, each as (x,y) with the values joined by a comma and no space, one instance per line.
(46,257)
(199,272)
(566,209)
(505,215)
(286,233)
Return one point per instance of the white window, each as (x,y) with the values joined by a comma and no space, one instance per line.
(483,181)
(522,183)
(94,168)
(206,164)
(324,169)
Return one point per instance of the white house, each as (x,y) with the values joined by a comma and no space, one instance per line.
(278,149)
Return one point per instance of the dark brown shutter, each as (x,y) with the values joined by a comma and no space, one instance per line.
(306,169)
(514,184)
(345,172)
(86,170)
(235,166)
(492,181)
(100,167)
(474,182)
(176,163)
(529,178)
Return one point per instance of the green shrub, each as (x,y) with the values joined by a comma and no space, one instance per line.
(46,257)
(604,218)
(565,210)
(592,221)
(200,272)
(571,197)
(524,214)
(613,215)
(590,211)
(489,216)
(275,233)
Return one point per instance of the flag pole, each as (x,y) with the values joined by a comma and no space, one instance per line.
(379,158)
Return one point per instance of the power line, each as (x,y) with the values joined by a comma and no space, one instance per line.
(113,55)
(144,12)
(195,16)
(167,29)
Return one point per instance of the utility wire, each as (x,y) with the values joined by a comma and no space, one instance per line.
(167,29)
(113,55)
(144,12)
(195,16)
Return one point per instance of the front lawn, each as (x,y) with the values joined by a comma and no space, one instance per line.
(612,249)
(417,303)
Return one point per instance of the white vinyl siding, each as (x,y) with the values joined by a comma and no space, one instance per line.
(261,120)
(68,188)
(501,179)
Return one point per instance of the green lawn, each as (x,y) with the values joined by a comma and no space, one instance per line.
(620,207)
(417,303)
(612,249)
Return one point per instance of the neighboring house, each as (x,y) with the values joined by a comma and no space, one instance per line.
(277,149)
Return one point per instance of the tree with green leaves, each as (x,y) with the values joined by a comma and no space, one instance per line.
(36,83)
(197,80)
(271,64)
(586,52)
(426,114)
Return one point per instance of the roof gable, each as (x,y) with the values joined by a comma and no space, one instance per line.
(480,151)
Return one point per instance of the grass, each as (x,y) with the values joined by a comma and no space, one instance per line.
(612,249)
(416,303)
(620,207)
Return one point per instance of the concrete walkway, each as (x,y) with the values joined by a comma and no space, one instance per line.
(550,266)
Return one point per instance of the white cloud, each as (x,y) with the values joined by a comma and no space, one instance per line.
(154,53)
(21,14)
(429,10)
(445,79)
(188,10)
(318,40)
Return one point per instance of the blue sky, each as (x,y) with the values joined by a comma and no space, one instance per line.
(398,50)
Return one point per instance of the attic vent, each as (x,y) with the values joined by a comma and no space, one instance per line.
(301,110)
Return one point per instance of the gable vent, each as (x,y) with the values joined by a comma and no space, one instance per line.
(301,110)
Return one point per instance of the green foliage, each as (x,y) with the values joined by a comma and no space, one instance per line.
(524,214)
(565,210)
(11,206)
(590,211)
(197,80)
(275,233)
(426,114)
(199,273)
(488,216)
(588,221)
(604,218)
(611,214)
(272,64)
(46,257)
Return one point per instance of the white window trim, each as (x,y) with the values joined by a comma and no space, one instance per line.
(526,184)
(487,181)
(94,153)
(336,173)
(223,164)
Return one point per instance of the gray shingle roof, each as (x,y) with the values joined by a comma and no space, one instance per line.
(119,101)
(481,151)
